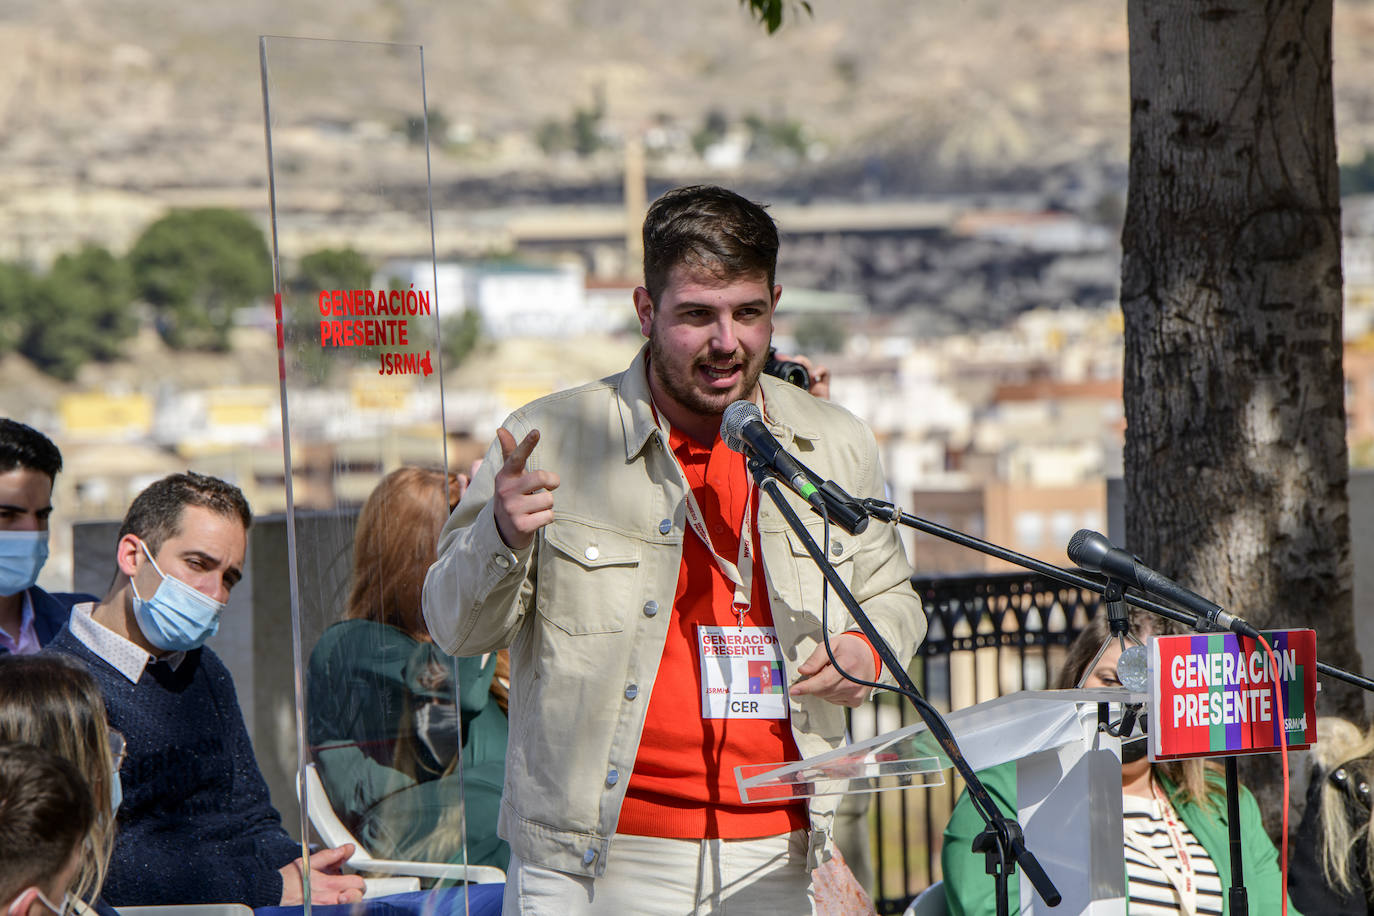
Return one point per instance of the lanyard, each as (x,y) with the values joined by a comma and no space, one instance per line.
(1180,875)
(741,572)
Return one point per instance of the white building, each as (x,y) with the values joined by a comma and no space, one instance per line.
(514,299)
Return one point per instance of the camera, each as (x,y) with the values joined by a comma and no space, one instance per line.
(787,370)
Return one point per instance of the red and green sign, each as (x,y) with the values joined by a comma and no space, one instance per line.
(1212,694)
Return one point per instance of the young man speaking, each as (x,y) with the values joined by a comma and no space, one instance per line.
(663,620)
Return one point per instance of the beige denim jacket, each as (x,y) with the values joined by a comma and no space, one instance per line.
(585,609)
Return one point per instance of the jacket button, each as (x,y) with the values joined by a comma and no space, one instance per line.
(592,552)
(503,561)
(632,691)
(836,548)
(612,778)
(665,526)
(588,858)
(650,608)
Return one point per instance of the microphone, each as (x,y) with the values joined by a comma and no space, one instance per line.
(743,430)
(1095,553)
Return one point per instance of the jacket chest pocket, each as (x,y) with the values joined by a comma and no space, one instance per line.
(808,582)
(588,577)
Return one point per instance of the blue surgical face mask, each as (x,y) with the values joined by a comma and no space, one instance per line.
(22,555)
(177,617)
(116,793)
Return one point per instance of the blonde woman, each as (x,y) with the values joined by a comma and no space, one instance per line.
(1332,857)
(52,702)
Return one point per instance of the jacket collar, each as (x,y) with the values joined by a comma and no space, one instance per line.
(788,411)
(636,405)
(785,408)
(49,613)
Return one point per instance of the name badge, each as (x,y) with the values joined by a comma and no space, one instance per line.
(741,673)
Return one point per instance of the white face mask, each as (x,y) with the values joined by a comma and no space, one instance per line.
(62,910)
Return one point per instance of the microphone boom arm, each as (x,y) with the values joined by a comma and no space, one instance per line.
(887,512)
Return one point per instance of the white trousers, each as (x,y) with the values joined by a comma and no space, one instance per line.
(653,876)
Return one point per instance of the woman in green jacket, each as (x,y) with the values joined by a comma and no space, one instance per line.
(1175,839)
(406,738)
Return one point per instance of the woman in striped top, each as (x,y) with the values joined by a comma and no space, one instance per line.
(1174,834)
(1167,870)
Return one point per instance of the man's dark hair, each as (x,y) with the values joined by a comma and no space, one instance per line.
(23,446)
(155,514)
(707,228)
(46,810)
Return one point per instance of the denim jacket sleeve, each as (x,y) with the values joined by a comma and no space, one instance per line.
(478,590)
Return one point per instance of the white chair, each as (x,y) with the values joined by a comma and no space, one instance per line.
(407,874)
(929,902)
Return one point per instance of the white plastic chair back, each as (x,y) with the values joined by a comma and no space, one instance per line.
(929,902)
(334,833)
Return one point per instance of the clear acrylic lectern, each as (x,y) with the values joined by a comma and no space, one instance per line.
(1068,782)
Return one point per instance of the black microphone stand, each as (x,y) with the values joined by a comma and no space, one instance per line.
(1237,897)
(1118,631)
(1002,841)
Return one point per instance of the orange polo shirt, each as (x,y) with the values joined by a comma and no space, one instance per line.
(683,783)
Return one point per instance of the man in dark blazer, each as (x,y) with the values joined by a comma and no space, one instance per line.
(29,616)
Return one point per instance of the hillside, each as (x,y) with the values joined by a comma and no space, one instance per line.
(153,93)
(112,109)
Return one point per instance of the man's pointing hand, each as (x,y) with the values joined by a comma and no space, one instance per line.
(524,499)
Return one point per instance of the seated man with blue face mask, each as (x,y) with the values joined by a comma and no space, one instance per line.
(196,824)
(29,616)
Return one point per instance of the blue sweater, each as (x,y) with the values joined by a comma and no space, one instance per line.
(196,824)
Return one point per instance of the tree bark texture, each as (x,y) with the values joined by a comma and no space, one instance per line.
(1235,453)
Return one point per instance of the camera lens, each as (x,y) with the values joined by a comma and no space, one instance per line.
(795,374)
(788,371)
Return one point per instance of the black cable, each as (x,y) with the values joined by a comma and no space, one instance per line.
(825,617)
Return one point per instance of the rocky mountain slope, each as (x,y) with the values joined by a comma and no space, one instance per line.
(144,93)
(165,97)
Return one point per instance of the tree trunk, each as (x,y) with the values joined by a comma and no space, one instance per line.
(1235,455)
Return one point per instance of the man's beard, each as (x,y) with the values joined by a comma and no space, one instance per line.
(681,385)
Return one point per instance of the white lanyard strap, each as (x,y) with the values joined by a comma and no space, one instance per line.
(741,572)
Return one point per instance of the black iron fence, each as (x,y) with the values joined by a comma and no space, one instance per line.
(989,635)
